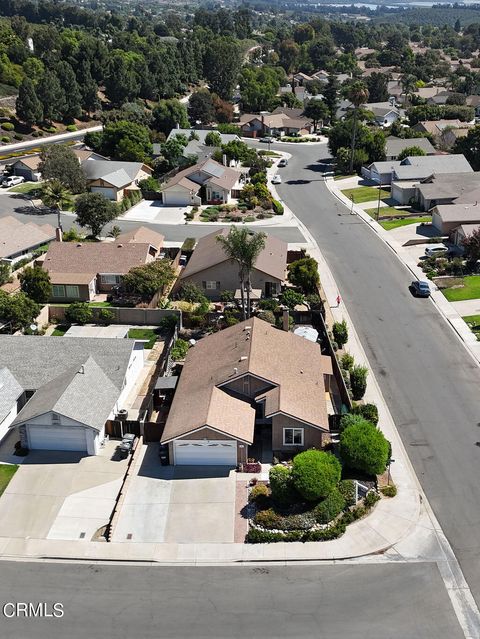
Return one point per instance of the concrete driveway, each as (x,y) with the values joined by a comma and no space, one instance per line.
(60,495)
(183,504)
(154,211)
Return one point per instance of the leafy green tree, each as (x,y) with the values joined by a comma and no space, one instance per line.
(340,332)
(357,93)
(18,310)
(168,114)
(317,111)
(330,96)
(243,247)
(105,316)
(291,298)
(221,65)
(213,138)
(259,87)
(146,280)
(114,232)
(33,69)
(289,55)
(28,107)
(93,211)
(72,105)
(223,110)
(303,273)
(35,283)
(172,150)
(315,474)
(59,162)
(122,82)
(56,196)
(88,89)
(200,107)
(358,381)
(377,85)
(190,292)
(363,447)
(471,244)
(51,96)
(469,145)
(410,151)
(127,141)
(79,313)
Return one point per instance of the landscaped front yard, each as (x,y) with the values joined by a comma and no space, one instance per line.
(27,188)
(387,211)
(389,225)
(7,471)
(469,291)
(473,322)
(365,194)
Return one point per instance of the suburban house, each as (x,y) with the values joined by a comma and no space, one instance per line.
(385,113)
(415,168)
(395,146)
(78,271)
(248,382)
(211,270)
(114,180)
(447,218)
(207,181)
(442,189)
(60,392)
(282,121)
(196,147)
(18,239)
(29,167)
(463,231)
(438,129)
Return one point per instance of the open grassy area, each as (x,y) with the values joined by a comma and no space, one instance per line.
(365,194)
(469,291)
(144,333)
(27,188)
(388,225)
(60,330)
(386,211)
(7,471)
(474,323)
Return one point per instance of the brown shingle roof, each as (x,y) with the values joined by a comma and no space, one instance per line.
(94,257)
(142,234)
(208,252)
(15,236)
(291,363)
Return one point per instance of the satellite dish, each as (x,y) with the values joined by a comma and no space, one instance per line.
(33,327)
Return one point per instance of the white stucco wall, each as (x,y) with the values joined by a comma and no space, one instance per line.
(7,421)
(135,366)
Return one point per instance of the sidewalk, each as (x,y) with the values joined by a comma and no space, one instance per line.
(447,309)
(52,139)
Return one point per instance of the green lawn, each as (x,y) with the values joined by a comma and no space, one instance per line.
(365,194)
(144,333)
(469,291)
(103,304)
(388,225)
(7,471)
(386,211)
(344,177)
(26,188)
(474,323)
(60,330)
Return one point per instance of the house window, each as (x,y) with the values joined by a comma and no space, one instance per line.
(110,279)
(72,291)
(55,418)
(58,290)
(293,436)
(211,286)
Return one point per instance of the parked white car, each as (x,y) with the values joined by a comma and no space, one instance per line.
(436,250)
(12,181)
(276,179)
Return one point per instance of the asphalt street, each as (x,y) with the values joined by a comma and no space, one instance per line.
(22,209)
(430,383)
(388,601)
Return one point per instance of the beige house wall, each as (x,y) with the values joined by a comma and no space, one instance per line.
(226,276)
(312,437)
(255,386)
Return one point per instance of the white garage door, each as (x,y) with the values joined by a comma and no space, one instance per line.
(175,198)
(43,438)
(212,452)
(108,193)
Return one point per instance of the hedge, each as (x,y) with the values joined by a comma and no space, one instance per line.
(330,507)
(315,474)
(277,207)
(364,447)
(8,126)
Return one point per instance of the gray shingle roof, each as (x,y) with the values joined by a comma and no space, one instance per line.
(10,391)
(423,166)
(396,145)
(116,173)
(83,393)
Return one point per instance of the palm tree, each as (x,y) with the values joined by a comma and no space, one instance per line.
(243,246)
(357,93)
(408,82)
(56,196)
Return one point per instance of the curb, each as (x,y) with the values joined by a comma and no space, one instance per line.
(379,231)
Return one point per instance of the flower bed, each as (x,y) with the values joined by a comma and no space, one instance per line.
(251,467)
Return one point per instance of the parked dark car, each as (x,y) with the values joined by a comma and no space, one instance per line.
(420,288)
(126,445)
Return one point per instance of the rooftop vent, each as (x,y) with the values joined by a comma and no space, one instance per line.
(119,245)
(243,358)
(235,370)
(247,328)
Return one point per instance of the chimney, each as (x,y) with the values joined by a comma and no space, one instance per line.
(285,319)
(177,125)
(58,234)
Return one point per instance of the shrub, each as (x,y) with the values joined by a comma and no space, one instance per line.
(370,500)
(277,207)
(364,447)
(18,136)
(5,139)
(326,534)
(106,316)
(347,361)
(282,486)
(291,298)
(168,322)
(258,493)
(330,507)
(349,419)
(267,316)
(7,126)
(79,312)
(340,332)
(71,128)
(268,519)
(268,304)
(358,381)
(227,296)
(180,350)
(346,488)
(368,411)
(315,474)
(190,292)
(389,491)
